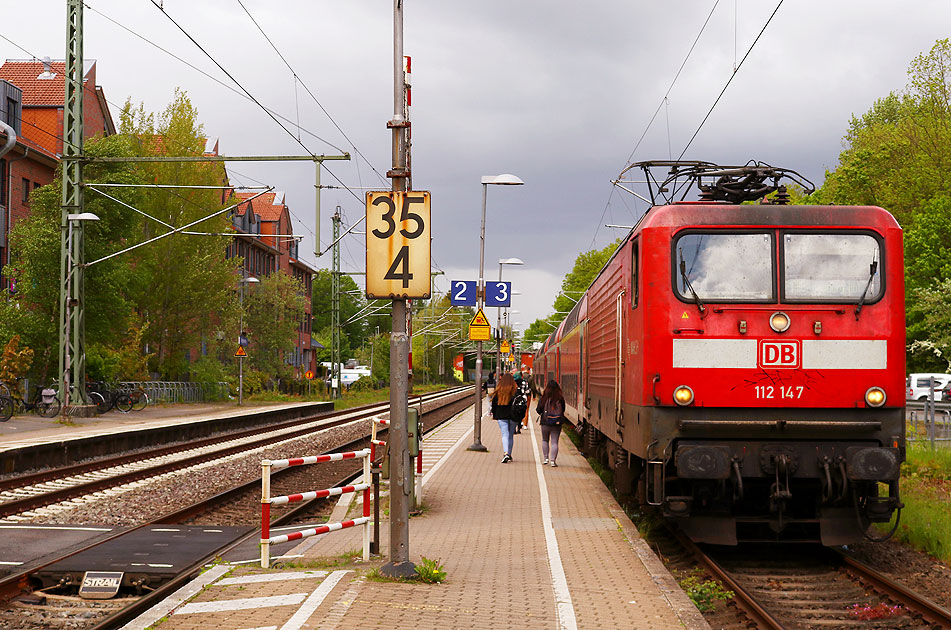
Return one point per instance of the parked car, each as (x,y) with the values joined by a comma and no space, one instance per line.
(919,386)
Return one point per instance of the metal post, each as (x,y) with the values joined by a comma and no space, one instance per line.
(265,513)
(480,295)
(72,359)
(400,470)
(241,332)
(501,334)
(375,545)
(367,480)
(335,359)
(317,166)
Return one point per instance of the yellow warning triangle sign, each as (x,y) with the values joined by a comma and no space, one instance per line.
(240,352)
(479,319)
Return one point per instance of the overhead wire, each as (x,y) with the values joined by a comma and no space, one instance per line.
(735,71)
(654,117)
(310,93)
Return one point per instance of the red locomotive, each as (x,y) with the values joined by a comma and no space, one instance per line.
(742,366)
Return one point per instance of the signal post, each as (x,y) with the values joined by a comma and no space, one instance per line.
(398,266)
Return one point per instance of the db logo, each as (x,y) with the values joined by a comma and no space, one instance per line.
(779,354)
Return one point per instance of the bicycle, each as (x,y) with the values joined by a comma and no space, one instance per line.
(45,403)
(102,396)
(131,399)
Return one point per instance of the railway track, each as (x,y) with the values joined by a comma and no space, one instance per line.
(223,507)
(28,492)
(809,587)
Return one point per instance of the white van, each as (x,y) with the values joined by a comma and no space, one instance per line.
(918,386)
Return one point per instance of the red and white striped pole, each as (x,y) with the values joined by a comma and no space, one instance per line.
(265,513)
(367,481)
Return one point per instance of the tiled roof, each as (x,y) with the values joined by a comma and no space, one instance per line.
(268,206)
(43,89)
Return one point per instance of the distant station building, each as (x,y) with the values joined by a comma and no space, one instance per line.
(271,249)
(31,101)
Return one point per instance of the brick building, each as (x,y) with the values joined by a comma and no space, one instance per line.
(274,249)
(31,101)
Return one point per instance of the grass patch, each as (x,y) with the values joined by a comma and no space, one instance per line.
(351,556)
(572,434)
(703,593)
(606,475)
(925,491)
(430,571)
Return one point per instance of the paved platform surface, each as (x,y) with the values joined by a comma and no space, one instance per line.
(28,430)
(524,546)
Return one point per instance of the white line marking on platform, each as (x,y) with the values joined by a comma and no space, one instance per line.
(271,577)
(260,628)
(241,604)
(559,583)
(445,456)
(314,601)
(164,608)
(10,564)
(339,609)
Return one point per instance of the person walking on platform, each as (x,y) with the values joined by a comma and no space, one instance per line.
(524,383)
(551,413)
(502,412)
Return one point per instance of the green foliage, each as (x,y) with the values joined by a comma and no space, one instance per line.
(703,593)
(275,312)
(15,360)
(351,302)
(430,571)
(587,267)
(897,157)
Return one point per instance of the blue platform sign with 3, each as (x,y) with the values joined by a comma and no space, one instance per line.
(498,293)
(463,293)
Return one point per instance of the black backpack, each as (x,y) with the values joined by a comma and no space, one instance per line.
(519,407)
(553,413)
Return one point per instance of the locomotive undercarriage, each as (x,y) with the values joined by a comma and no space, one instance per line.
(724,491)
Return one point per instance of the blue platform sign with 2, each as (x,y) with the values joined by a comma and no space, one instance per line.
(498,293)
(463,293)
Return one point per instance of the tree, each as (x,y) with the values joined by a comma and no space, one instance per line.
(587,267)
(184,278)
(275,308)
(897,156)
(351,303)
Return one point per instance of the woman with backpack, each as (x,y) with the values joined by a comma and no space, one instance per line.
(551,413)
(502,412)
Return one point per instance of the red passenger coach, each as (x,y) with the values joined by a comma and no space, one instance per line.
(742,366)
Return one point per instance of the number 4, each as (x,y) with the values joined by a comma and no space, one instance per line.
(402,259)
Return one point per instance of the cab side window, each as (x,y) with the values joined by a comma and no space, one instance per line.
(635,271)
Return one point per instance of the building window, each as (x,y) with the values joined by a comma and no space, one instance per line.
(26,190)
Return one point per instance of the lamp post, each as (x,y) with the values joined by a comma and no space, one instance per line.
(506,179)
(242,338)
(498,325)
(75,244)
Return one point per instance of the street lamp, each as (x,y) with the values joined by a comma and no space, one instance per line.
(242,338)
(498,324)
(506,179)
(75,237)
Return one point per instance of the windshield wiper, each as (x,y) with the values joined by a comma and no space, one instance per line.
(683,274)
(871,276)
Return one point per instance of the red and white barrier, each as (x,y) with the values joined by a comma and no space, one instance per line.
(267,501)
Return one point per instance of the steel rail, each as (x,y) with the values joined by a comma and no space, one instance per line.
(743,599)
(17,506)
(16,583)
(916,605)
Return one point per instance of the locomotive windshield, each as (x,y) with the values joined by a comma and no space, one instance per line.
(834,267)
(725,267)
(740,267)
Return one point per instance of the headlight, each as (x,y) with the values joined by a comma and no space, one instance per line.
(875,396)
(779,321)
(683,395)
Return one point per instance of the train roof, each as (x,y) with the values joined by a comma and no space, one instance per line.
(707,213)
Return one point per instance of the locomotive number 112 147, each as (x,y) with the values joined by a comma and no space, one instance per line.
(779,391)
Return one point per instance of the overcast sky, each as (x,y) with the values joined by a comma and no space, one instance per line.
(557,93)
